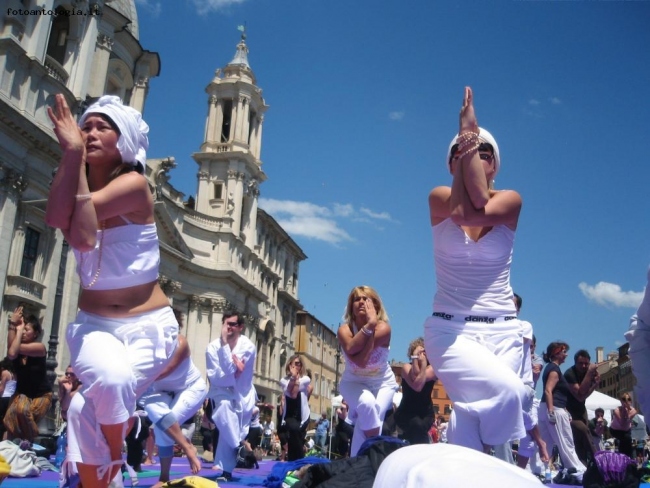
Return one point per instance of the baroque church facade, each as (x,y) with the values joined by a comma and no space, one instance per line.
(218,251)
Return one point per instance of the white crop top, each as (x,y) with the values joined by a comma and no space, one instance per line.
(376,365)
(473,277)
(130,256)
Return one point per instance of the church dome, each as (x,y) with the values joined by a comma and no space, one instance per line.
(127,8)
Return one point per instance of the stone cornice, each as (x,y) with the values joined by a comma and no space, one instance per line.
(29,134)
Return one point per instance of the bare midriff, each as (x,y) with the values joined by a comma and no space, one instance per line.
(124,302)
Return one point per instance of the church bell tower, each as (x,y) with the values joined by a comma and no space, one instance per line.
(230,169)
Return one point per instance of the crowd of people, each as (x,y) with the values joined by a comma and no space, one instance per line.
(126,349)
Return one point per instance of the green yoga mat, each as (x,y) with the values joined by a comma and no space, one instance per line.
(148,473)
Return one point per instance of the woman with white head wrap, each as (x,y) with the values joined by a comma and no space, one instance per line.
(125,330)
(474,339)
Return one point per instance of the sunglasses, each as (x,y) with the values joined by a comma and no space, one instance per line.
(232,324)
(483,149)
(627,399)
(297,363)
(69,373)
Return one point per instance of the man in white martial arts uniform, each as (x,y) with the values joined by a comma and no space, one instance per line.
(230,362)
(639,338)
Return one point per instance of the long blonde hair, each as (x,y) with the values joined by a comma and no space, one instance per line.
(291,360)
(368,291)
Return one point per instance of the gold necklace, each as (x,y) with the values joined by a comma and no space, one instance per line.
(99,260)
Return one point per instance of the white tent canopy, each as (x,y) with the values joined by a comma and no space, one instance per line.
(600,400)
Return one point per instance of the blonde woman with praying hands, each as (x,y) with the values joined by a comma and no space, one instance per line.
(125,330)
(368,382)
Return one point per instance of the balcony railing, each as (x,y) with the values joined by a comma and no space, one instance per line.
(55,70)
(26,288)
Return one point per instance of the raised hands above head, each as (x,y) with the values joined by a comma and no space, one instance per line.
(65,126)
(467,116)
(16,319)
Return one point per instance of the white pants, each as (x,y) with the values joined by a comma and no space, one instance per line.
(479,365)
(182,404)
(527,446)
(228,417)
(448,466)
(116,360)
(560,435)
(368,398)
(639,338)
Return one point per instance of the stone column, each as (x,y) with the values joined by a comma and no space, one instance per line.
(203,194)
(99,69)
(192,332)
(12,233)
(245,122)
(139,92)
(258,142)
(250,212)
(210,124)
(234,119)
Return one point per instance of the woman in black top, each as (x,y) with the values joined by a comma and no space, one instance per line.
(33,391)
(415,414)
(554,420)
(295,416)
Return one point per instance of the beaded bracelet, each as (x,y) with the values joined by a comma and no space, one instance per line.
(472,148)
(367,332)
(83,197)
(466,135)
(466,139)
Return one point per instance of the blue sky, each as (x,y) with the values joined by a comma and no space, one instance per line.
(364,98)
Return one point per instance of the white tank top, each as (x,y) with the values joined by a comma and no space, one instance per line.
(473,277)
(130,256)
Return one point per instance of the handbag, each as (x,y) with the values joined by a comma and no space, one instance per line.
(611,470)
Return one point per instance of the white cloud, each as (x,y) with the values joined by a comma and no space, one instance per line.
(611,294)
(318,222)
(343,210)
(555,101)
(206,6)
(533,101)
(374,215)
(396,115)
(153,7)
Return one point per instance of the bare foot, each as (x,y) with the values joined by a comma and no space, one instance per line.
(148,462)
(193,459)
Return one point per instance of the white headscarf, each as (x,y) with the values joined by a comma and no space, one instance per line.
(446,466)
(133,142)
(483,136)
